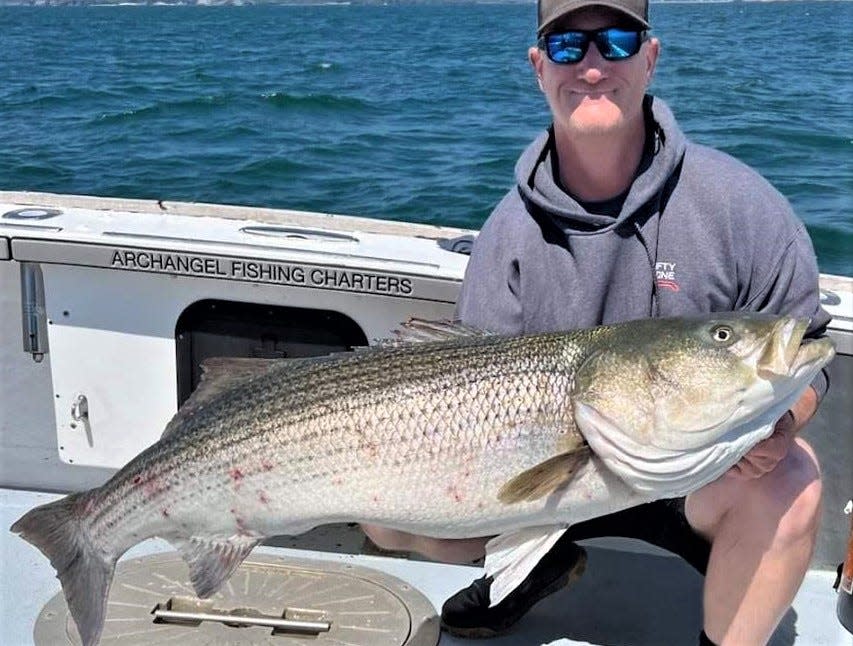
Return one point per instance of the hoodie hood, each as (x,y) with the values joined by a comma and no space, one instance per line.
(538,187)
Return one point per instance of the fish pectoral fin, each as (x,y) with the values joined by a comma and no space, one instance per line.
(510,557)
(545,477)
(212,560)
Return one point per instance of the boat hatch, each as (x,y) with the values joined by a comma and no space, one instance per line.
(268,600)
(215,328)
(123,338)
(122,307)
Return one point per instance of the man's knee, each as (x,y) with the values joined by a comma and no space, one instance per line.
(438,549)
(788,498)
(391,539)
(784,502)
(797,498)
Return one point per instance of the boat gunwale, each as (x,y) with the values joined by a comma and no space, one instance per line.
(266,215)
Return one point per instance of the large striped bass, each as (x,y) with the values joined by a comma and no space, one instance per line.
(461,434)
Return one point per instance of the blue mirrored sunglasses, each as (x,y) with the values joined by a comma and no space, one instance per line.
(614,44)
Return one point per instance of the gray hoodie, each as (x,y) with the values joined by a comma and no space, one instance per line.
(697,232)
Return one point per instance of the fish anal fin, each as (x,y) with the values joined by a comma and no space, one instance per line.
(545,477)
(212,560)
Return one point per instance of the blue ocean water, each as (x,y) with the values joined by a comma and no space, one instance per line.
(405,111)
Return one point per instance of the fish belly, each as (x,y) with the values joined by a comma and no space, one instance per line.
(446,499)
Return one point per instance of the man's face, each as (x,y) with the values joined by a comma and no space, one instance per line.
(595,96)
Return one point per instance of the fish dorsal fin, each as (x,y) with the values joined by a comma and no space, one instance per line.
(545,477)
(417,330)
(510,557)
(213,559)
(218,374)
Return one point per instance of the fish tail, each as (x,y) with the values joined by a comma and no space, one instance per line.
(85,570)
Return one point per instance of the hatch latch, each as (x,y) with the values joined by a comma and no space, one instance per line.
(191,612)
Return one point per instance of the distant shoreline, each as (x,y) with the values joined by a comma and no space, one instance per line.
(306,3)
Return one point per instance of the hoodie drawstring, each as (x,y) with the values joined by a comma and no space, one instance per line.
(661,200)
(654,306)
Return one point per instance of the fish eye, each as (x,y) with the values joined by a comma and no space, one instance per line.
(722,333)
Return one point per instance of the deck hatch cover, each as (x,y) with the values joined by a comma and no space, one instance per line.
(363,606)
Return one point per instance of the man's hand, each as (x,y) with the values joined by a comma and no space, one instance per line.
(765,455)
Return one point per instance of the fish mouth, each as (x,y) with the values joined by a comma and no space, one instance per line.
(784,354)
(813,353)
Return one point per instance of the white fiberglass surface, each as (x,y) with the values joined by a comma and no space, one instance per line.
(625,597)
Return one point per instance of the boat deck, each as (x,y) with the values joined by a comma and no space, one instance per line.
(627,596)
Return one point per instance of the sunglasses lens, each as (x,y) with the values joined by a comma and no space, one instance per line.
(618,44)
(571,46)
(568,47)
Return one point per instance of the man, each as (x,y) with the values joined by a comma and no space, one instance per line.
(617,216)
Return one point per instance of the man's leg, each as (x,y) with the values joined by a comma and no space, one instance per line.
(445,550)
(763,533)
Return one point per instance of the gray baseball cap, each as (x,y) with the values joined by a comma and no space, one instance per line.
(551,10)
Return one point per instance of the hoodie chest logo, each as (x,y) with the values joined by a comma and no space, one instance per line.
(665,276)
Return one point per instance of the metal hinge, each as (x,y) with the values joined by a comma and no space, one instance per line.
(33,314)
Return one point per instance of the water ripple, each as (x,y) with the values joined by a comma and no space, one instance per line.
(411,111)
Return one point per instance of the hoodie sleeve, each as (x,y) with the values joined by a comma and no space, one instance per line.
(490,299)
(786,282)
